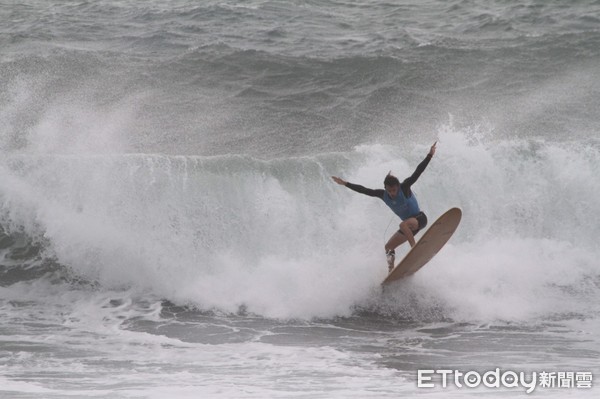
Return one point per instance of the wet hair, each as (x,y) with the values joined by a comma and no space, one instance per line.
(391,180)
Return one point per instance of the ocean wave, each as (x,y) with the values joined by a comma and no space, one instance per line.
(279,238)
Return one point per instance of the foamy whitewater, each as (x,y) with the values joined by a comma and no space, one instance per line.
(169,227)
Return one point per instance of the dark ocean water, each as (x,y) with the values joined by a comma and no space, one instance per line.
(169,228)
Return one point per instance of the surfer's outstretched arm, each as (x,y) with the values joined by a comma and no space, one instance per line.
(339,181)
(409,181)
(358,188)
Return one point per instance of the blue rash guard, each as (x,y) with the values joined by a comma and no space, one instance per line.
(405,204)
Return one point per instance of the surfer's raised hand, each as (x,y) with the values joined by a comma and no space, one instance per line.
(338,180)
(432,149)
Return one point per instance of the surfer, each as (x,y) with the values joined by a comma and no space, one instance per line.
(401,200)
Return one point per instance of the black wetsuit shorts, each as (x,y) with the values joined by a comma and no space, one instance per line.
(422,219)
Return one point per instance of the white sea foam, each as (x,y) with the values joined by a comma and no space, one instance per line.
(281,239)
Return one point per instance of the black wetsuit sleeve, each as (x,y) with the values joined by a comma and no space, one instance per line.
(366,191)
(409,181)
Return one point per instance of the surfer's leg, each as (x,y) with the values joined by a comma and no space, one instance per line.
(390,246)
(407,227)
(394,241)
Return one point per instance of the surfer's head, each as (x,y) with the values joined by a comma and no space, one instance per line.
(391,184)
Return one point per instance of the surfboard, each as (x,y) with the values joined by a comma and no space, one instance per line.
(428,245)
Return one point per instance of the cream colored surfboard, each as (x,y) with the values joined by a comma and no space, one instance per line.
(432,241)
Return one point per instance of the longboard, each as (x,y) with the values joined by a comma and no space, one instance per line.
(430,244)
